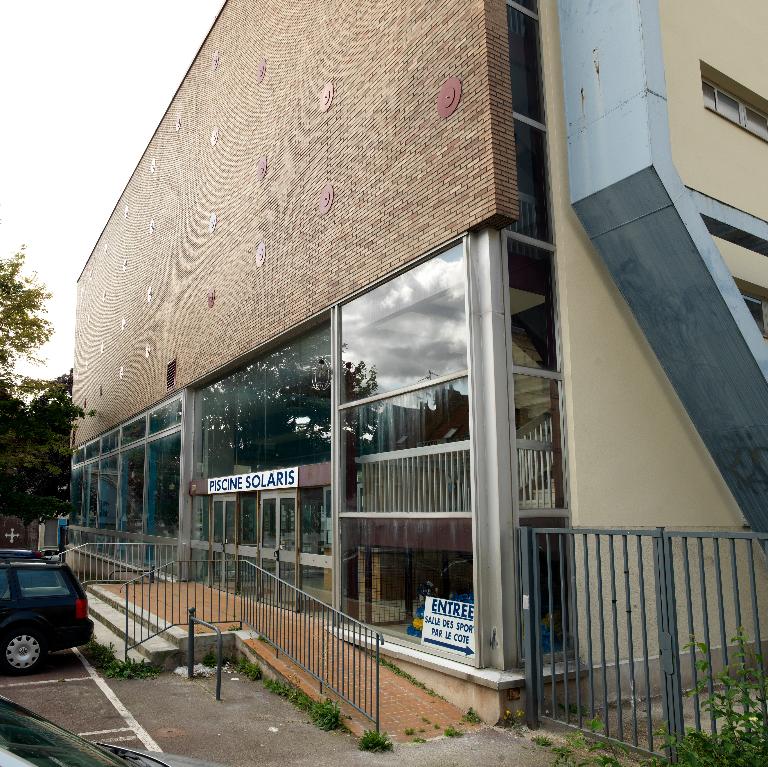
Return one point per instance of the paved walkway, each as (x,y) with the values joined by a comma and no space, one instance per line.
(339,652)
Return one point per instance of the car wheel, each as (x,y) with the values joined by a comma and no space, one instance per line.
(22,651)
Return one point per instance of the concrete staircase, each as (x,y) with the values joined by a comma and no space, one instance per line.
(167,650)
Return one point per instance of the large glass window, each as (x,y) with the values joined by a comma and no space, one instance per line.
(532,182)
(133,431)
(76,494)
(531,306)
(108,492)
(539,452)
(524,64)
(109,441)
(131,508)
(399,453)
(92,450)
(392,565)
(165,417)
(411,329)
(274,412)
(90,493)
(316,524)
(163,485)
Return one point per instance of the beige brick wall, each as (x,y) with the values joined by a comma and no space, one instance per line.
(405,180)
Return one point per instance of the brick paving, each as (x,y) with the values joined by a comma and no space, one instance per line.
(320,643)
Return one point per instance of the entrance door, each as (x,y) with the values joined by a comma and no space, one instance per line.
(278,534)
(224,537)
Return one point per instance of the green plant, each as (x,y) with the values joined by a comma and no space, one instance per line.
(248,669)
(542,741)
(130,669)
(425,720)
(471,717)
(99,655)
(419,740)
(578,751)
(234,627)
(452,732)
(326,715)
(436,726)
(409,731)
(209,659)
(374,741)
(737,702)
(395,669)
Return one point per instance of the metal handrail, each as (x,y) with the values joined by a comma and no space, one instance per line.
(101,561)
(316,637)
(339,651)
(191,648)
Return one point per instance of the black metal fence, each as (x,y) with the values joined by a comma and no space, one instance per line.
(341,653)
(624,627)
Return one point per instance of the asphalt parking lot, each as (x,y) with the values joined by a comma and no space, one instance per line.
(250,726)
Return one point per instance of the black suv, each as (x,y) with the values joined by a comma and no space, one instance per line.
(42,607)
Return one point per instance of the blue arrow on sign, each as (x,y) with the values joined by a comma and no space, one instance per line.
(466,650)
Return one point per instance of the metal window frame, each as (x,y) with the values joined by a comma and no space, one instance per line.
(743,106)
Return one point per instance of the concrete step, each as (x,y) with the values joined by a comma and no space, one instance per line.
(111,622)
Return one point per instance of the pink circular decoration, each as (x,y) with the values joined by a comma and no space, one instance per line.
(326,96)
(261,253)
(261,168)
(449,97)
(262,70)
(326,199)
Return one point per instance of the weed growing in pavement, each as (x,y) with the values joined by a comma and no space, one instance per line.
(234,627)
(436,726)
(98,654)
(103,658)
(326,714)
(409,678)
(541,740)
(598,753)
(425,720)
(248,669)
(419,740)
(374,741)
(409,731)
(472,717)
(209,659)
(130,669)
(452,732)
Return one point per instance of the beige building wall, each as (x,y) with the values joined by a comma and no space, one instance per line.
(712,154)
(634,458)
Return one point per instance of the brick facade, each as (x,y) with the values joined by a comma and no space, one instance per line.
(405,180)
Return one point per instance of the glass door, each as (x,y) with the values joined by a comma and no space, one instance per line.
(278,534)
(316,560)
(223,538)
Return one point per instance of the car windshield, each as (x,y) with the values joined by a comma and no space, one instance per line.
(43,744)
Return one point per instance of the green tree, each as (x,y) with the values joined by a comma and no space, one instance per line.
(36,416)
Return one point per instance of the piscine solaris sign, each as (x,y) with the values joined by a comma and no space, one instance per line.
(449,625)
(276,479)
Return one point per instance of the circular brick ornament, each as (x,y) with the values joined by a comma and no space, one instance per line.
(261,253)
(261,168)
(326,96)
(262,71)
(449,97)
(326,199)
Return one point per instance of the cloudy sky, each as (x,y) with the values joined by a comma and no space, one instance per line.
(83,84)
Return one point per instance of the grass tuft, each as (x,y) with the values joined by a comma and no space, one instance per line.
(376,742)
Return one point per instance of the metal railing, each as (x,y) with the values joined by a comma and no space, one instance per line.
(611,617)
(341,653)
(115,562)
(193,621)
(338,651)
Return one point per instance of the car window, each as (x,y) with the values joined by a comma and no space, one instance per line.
(42,583)
(5,586)
(43,744)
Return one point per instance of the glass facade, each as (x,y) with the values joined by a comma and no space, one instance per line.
(129,481)
(409,330)
(275,412)
(405,457)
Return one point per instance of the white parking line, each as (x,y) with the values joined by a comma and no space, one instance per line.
(105,732)
(128,717)
(123,739)
(47,681)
